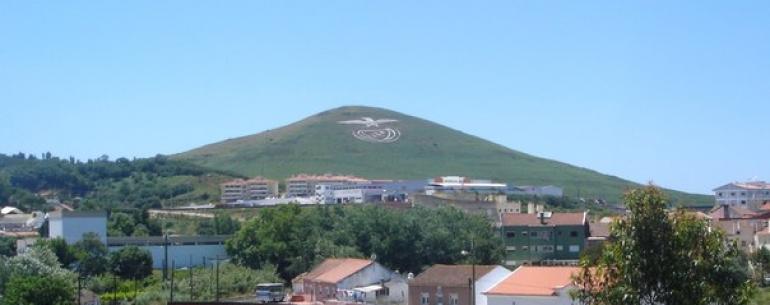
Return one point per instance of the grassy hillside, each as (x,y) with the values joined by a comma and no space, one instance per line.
(319,144)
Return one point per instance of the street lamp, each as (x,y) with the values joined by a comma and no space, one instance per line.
(472,280)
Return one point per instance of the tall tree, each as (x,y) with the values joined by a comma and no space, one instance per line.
(657,257)
(38,290)
(91,255)
(131,262)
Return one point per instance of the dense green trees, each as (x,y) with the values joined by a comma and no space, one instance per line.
(222,224)
(91,255)
(38,290)
(7,246)
(658,258)
(294,239)
(100,183)
(131,263)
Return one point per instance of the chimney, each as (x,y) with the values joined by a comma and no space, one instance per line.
(725,211)
(542,217)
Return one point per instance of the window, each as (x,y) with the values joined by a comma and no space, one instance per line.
(454,299)
(559,248)
(719,194)
(574,248)
(743,201)
(524,233)
(424,298)
(573,234)
(524,248)
(510,234)
(510,248)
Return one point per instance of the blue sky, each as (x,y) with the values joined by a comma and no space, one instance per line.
(677,93)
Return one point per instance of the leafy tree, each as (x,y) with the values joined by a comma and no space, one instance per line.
(91,255)
(7,246)
(37,261)
(660,258)
(65,253)
(222,224)
(38,290)
(120,224)
(131,263)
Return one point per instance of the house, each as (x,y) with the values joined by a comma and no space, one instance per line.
(450,284)
(336,278)
(530,285)
(599,233)
(751,194)
(72,225)
(543,237)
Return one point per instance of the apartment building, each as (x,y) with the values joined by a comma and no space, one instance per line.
(304,185)
(750,194)
(543,236)
(257,188)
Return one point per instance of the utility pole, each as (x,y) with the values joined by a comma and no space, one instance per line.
(192,297)
(217,290)
(165,256)
(171,299)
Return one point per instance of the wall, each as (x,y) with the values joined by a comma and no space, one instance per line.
(463,294)
(488,281)
(181,254)
(72,228)
(372,274)
(561,298)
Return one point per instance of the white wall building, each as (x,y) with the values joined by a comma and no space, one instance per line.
(71,225)
(746,194)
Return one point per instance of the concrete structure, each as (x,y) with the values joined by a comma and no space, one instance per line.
(256,188)
(750,194)
(349,193)
(304,185)
(14,222)
(336,278)
(72,225)
(449,284)
(529,285)
(540,191)
(543,237)
(184,251)
(460,184)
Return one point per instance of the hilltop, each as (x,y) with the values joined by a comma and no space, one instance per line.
(396,145)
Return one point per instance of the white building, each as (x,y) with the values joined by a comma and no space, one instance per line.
(72,225)
(183,251)
(464,184)
(304,185)
(750,194)
(531,285)
(349,193)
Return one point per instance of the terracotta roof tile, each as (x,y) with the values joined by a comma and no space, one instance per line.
(333,270)
(534,281)
(520,219)
(450,275)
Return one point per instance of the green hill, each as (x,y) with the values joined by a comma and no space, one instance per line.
(320,144)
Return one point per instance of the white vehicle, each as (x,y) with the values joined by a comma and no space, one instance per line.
(269,292)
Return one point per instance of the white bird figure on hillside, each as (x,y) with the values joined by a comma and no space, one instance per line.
(369,122)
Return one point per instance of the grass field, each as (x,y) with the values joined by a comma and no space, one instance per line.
(319,144)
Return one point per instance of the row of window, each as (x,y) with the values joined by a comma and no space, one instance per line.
(720,194)
(425,299)
(545,248)
(539,234)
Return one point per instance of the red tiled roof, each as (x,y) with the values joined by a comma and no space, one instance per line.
(333,270)
(520,219)
(450,275)
(534,281)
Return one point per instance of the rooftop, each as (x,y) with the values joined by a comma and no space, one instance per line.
(532,220)
(534,281)
(749,185)
(254,180)
(333,270)
(450,275)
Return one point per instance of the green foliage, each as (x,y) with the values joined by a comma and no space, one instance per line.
(319,145)
(66,254)
(38,290)
(131,263)
(657,258)
(294,239)
(222,224)
(105,184)
(91,255)
(7,246)
(37,261)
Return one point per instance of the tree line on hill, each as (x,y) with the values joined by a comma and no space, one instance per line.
(99,184)
(294,239)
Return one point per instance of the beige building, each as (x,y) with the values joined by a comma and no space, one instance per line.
(256,188)
(304,185)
